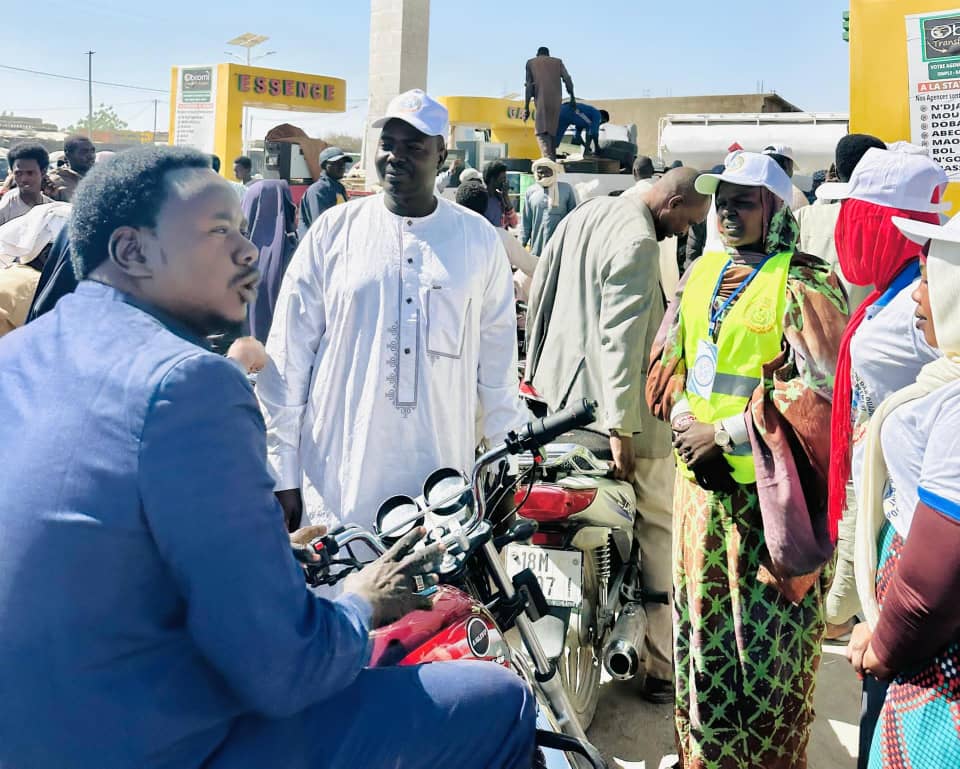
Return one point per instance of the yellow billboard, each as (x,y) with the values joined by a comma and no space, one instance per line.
(206,108)
(503,117)
(880,80)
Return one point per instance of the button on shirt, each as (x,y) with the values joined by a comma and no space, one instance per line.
(150,603)
(392,353)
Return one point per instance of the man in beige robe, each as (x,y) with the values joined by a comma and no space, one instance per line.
(595,306)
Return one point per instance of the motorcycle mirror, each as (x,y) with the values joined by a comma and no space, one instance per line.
(447,492)
(396,517)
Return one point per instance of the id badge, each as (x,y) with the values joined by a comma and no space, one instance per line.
(700,379)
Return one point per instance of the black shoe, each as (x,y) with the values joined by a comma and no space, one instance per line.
(658,691)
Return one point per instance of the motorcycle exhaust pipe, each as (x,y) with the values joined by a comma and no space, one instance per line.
(621,655)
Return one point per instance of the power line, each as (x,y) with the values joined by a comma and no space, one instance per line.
(28,110)
(82,79)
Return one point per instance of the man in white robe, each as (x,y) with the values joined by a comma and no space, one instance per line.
(393,345)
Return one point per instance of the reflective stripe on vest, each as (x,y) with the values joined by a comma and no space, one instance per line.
(750,335)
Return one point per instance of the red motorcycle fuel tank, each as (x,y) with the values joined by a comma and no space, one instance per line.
(457,628)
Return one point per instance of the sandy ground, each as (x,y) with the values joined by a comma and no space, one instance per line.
(633,734)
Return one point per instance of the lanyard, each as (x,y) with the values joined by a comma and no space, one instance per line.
(716,315)
(904,278)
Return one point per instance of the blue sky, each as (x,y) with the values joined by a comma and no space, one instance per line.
(624,48)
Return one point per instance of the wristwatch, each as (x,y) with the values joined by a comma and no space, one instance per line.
(722,438)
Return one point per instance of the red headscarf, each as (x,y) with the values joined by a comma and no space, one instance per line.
(871,250)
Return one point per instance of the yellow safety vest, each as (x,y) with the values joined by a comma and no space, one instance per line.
(750,335)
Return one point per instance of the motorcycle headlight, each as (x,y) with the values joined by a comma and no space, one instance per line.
(395,511)
(446,495)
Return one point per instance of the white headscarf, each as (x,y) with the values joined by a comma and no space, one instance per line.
(549,183)
(943,282)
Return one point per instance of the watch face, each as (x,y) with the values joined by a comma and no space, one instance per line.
(722,438)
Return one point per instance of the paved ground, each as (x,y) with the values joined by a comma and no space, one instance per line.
(635,735)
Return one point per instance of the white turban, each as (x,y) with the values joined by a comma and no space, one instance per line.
(549,183)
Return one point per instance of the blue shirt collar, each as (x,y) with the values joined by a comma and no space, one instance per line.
(103,292)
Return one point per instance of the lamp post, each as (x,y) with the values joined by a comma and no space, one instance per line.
(249,41)
(90,94)
(248,60)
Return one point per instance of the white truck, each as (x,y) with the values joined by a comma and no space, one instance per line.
(703,141)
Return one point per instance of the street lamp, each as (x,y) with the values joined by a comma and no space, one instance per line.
(249,41)
(248,58)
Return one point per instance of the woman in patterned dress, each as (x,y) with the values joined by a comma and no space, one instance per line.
(750,530)
(908,534)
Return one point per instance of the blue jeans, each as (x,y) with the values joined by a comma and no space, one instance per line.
(468,715)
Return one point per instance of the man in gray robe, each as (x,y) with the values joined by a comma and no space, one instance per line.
(544,75)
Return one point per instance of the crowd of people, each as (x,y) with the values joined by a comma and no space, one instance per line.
(786,408)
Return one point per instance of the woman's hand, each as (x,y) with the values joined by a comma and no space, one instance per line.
(862,656)
(857,646)
(695,442)
(874,667)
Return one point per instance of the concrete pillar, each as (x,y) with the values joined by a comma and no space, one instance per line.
(399,37)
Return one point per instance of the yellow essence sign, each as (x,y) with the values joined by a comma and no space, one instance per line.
(207,109)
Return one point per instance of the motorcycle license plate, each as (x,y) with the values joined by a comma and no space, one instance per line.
(560,572)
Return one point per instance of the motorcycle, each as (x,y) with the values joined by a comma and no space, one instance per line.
(477,601)
(587,561)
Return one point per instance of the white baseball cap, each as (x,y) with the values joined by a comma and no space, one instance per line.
(892,179)
(923,232)
(470,174)
(749,169)
(783,150)
(418,109)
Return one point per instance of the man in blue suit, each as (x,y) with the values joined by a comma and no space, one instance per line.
(151,611)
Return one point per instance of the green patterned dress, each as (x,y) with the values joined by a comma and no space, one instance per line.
(746,657)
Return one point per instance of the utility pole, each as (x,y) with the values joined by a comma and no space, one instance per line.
(155,121)
(90,94)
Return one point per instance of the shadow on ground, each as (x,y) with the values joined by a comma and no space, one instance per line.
(634,734)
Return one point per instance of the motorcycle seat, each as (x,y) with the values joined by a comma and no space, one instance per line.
(595,442)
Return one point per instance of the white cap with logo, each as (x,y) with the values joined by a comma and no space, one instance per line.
(892,179)
(784,151)
(749,169)
(418,109)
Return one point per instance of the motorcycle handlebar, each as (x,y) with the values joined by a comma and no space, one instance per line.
(530,438)
(541,431)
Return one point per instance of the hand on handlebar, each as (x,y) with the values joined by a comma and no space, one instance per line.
(300,542)
(391,582)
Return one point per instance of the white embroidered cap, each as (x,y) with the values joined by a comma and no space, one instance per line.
(418,109)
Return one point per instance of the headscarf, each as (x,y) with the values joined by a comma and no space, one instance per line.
(780,228)
(549,183)
(943,281)
(271,218)
(871,250)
